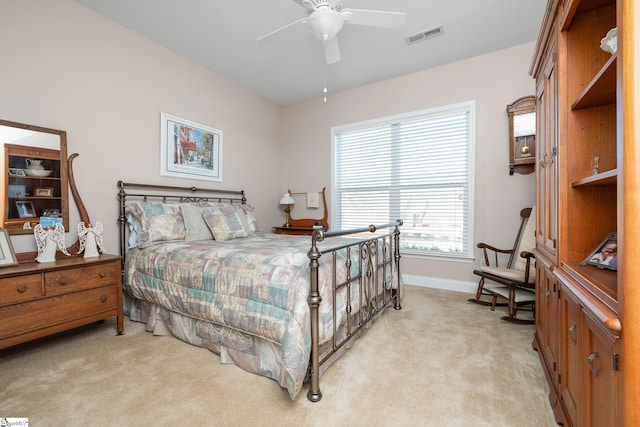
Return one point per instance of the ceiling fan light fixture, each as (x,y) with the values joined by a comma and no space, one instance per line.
(325,23)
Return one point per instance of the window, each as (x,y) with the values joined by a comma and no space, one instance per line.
(417,167)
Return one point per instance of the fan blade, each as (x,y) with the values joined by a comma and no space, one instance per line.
(281,30)
(331,50)
(374,18)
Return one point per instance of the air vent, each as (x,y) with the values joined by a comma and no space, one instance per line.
(426,34)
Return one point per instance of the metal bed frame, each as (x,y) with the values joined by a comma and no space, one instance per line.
(372,269)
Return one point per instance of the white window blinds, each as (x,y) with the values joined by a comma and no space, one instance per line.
(417,167)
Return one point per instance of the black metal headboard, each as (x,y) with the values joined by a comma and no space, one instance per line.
(131,192)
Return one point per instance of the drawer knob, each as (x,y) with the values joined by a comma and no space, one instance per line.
(22,289)
(103,298)
(102,274)
(64,281)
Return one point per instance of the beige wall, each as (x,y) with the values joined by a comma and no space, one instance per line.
(493,81)
(66,67)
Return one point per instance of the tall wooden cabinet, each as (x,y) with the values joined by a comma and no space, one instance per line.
(587,324)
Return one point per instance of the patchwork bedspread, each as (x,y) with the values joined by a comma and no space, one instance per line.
(257,286)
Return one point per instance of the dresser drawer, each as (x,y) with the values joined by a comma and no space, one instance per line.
(74,279)
(18,289)
(30,316)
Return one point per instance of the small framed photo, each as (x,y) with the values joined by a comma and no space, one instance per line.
(16,191)
(25,209)
(7,255)
(605,256)
(16,172)
(43,191)
(52,212)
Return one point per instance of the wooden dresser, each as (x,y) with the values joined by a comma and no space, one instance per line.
(587,323)
(37,300)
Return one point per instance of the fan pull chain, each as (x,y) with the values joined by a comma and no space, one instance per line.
(324,91)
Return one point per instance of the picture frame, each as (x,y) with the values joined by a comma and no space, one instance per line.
(17,172)
(189,149)
(7,254)
(43,191)
(16,191)
(25,209)
(605,255)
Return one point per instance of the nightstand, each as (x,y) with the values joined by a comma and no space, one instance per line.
(296,231)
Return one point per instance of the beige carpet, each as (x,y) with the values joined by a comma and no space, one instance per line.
(440,361)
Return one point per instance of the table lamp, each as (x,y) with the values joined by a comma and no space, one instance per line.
(287,201)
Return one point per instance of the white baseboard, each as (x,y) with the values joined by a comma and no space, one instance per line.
(439,283)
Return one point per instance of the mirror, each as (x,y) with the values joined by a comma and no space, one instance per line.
(34,187)
(522,135)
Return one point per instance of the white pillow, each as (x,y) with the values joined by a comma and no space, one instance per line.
(134,230)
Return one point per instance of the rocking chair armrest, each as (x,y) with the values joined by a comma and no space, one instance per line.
(492,248)
(528,256)
(486,247)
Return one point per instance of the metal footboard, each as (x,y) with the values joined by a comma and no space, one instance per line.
(375,261)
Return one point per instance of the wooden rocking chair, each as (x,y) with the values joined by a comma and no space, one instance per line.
(514,283)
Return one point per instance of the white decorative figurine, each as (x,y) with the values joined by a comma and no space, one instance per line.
(49,239)
(90,239)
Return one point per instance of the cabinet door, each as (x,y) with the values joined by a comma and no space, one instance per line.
(599,369)
(547,156)
(569,359)
(546,315)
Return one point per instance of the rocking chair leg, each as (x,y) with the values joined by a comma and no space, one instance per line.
(479,293)
(480,287)
(518,321)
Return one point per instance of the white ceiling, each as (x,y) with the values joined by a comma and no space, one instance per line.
(221,35)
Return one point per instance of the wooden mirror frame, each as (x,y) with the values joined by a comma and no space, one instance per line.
(14,227)
(522,149)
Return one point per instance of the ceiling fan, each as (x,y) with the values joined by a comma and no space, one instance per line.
(326,18)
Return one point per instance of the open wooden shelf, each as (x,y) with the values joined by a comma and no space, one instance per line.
(602,88)
(604,178)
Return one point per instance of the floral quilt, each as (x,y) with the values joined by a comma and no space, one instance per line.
(257,286)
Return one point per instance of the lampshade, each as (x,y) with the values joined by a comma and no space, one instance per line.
(325,23)
(287,199)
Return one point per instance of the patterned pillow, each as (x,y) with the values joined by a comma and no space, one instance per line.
(194,223)
(252,221)
(159,222)
(225,222)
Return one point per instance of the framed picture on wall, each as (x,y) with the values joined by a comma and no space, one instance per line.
(189,149)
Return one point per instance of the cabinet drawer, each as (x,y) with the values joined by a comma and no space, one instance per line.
(74,279)
(18,289)
(30,316)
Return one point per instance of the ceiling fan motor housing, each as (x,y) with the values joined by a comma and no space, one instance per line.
(325,22)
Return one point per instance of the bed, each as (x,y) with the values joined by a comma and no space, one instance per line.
(197,266)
